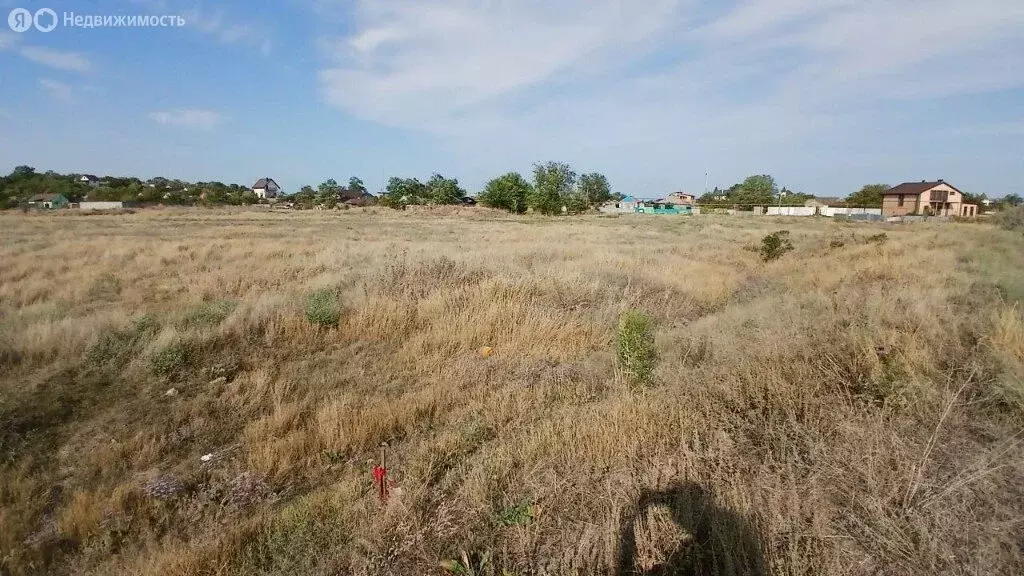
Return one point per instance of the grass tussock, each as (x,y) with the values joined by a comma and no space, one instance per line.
(636,349)
(172,404)
(322,308)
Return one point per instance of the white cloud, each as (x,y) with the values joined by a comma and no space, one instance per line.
(465,68)
(194,118)
(226,29)
(59,90)
(70,61)
(412,59)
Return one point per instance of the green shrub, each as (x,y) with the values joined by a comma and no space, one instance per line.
(774,245)
(145,324)
(1010,219)
(210,313)
(636,346)
(168,361)
(111,348)
(322,308)
(521,513)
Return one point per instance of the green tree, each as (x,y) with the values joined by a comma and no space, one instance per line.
(305,197)
(755,190)
(594,188)
(354,183)
(1011,200)
(327,193)
(507,192)
(441,190)
(554,184)
(402,191)
(21,172)
(869,196)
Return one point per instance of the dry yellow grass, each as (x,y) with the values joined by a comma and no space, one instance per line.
(853,409)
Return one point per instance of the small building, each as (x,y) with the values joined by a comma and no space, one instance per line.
(266,188)
(926,199)
(48,201)
(679,198)
(661,207)
(89,180)
(355,197)
(624,205)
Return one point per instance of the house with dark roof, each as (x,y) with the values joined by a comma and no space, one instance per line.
(355,197)
(266,188)
(48,201)
(89,179)
(925,198)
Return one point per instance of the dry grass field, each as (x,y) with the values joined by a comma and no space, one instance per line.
(854,407)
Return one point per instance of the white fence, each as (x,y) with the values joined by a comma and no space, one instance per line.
(833,211)
(792,211)
(100,205)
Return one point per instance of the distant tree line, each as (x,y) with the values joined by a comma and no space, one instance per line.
(555,188)
(758,190)
(761,190)
(24,182)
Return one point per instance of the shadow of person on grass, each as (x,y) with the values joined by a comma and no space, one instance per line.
(718,541)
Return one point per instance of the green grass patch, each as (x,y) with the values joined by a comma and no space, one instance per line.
(210,313)
(636,350)
(323,308)
(169,361)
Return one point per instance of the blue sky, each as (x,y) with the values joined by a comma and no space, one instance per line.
(826,95)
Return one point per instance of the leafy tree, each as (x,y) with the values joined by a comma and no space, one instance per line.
(869,196)
(793,198)
(327,193)
(553,186)
(1012,200)
(508,192)
(21,172)
(760,189)
(970,198)
(354,183)
(305,197)
(441,190)
(402,191)
(594,189)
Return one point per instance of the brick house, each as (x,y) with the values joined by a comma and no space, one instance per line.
(926,198)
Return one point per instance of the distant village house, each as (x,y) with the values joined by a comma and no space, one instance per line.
(355,197)
(48,201)
(266,188)
(89,179)
(624,205)
(926,199)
